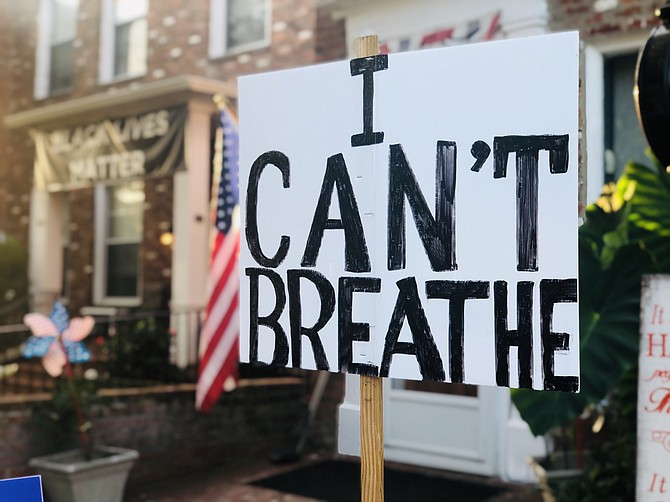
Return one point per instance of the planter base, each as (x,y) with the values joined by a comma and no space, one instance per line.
(68,477)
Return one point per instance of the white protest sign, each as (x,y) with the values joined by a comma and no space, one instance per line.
(415,215)
(653,402)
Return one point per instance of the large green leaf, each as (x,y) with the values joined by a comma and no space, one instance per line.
(625,235)
(649,218)
(609,319)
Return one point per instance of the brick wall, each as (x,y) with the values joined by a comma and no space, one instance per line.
(17,49)
(173,438)
(157,258)
(80,249)
(625,16)
(170,435)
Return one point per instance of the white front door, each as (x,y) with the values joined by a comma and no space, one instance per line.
(448,426)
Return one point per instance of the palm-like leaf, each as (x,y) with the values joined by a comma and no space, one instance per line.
(617,245)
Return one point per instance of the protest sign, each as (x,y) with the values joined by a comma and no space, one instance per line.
(415,215)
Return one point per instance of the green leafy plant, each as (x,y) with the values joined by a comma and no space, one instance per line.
(609,474)
(55,422)
(626,234)
(13,279)
(142,352)
(57,340)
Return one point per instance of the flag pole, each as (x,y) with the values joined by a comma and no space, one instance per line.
(371,399)
(217,159)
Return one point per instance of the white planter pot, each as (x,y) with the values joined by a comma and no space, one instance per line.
(68,477)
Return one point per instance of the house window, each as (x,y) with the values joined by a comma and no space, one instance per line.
(119,225)
(238,26)
(613,136)
(624,139)
(55,51)
(123,45)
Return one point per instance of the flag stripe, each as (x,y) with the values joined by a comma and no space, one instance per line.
(222,319)
(219,338)
(225,355)
(222,291)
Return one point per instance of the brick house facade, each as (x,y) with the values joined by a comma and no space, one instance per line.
(181,40)
(60,229)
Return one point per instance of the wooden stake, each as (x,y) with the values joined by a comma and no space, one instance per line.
(371,401)
(372,439)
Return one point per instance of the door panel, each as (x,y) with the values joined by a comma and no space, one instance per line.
(439,425)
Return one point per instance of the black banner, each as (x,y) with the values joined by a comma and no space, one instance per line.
(135,147)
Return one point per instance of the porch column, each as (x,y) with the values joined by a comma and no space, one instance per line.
(45,266)
(190,255)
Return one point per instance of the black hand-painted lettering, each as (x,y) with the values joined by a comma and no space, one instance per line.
(280,357)
(480,151)
(367,66)
(281,162)
(522,337)
(438,234)
(327,302)
(527,150)
(349,331)
(423,347)
(554,291)
(356,256)
(457,292)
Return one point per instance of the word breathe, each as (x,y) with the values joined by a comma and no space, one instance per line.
(437,233)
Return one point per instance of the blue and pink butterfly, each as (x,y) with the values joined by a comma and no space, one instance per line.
(46,333)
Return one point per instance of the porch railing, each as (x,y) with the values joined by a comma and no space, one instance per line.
(129,350)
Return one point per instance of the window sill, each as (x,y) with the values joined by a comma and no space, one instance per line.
(118,302)
(120,79)
(55,94)
(238,51)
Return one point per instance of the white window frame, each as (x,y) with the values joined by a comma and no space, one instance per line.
(595,55)
(100,256)
(218,24)
(41,85)
(107,46)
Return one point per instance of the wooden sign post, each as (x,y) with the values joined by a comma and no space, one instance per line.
(437,241)
(372,397)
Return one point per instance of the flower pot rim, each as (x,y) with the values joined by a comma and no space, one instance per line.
(62,462)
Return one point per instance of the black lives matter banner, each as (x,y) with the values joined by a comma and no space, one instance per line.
(139,146)
(415,215)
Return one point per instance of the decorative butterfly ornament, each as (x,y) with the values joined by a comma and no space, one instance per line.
(46,333)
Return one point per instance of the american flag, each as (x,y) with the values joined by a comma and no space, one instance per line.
(219,339)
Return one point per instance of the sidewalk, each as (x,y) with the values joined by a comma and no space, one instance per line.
(218,484)
(229,484)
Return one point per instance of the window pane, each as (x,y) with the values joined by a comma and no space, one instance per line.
(122,270)
(624,139)
(62,66)
(64,20)
(121,48)
(128,10)
(246,22)
(130,48)
(126,209)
